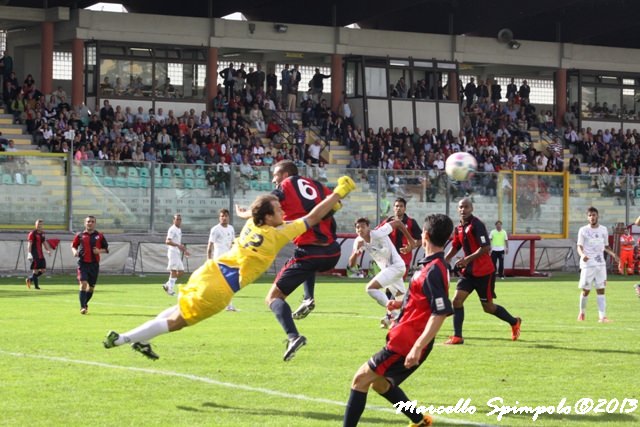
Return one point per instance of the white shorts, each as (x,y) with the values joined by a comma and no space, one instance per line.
(593,277)
(391,278)
(175,262)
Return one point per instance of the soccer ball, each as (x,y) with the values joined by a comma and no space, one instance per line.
(461,166)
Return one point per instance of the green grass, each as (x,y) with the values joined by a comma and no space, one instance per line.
(228,370)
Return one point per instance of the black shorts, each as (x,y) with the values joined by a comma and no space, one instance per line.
(390,365)
(88,272)
(305,263)
(483,285)
(38,264)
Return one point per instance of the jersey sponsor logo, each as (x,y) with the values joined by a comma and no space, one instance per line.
(440,304)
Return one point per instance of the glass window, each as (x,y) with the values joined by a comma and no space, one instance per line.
(600,102)
(399,83)
(630,104)
(420,86)
(375,81)
(351,78)
(126,77)
(62,65)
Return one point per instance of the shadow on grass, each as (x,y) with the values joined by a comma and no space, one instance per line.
(266,412)
(33,293)
(320,416)
(598,350)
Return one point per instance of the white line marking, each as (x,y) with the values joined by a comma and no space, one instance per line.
(222,384)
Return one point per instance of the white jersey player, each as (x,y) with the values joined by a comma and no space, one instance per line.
(593,242)
(175,249)
(221,238)
(381,249)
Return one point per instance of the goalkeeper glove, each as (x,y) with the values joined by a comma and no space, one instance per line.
(345,186)
(29,257)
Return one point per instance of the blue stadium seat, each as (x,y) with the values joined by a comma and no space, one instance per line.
(133,182)
(166,172)
(98,170)
(177,172)
(166,182)
(132,172)
(188,183)
(107,181)
(200,183)
(200,173)
(122,171)
(143,172)
(188,173)
(144,182)
(86,171)
(121,181)
(32,180)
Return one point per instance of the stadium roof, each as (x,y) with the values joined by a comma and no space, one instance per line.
(612,23)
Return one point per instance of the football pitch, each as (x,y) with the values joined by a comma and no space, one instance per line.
(228,370)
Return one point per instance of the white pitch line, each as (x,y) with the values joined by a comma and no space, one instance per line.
(207,380)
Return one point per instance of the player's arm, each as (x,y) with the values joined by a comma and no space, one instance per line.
(243,213)
(430,331)
(170,242)
(608,250)
(396,224)
(344,187)
(480,231)
(637,221)
(209,249)
(357,245)
(74,245)
(441,307)
(506,243)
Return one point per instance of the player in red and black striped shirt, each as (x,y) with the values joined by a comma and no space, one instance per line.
(477,272)
(410,341)
(316,250)
(398,239)
(87,246)
(35,242)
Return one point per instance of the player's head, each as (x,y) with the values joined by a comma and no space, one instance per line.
(39,224)
(177,220)
(592,215)
(362,225)
(465,208)
(90,223)
(399,207)
(223,216)
(498,225)
(437,229)
(282,170)
(266,210)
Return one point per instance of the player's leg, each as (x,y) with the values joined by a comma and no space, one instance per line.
(35,278)
(485,287)
(362,380)
(92,279)
(463,289)
(275,300)
(309,260)
(175,268)
(584,284)
(600,285)
(83,286)
(375,291)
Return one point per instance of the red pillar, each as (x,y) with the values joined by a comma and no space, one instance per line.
(77,72)
(46,58)
(212,76)
(452,82)
(337,82)
(561,95)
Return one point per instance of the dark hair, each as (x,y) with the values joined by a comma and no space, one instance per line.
(362,219)
(592,209)
(401,200)
(287,166)
(498,222)
(439,228)
(224,211)
(262,207)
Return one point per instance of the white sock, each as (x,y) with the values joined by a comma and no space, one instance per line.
(168,312)
(602,305)
(172,281)
(583,303)
(144,332)
(378,295)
